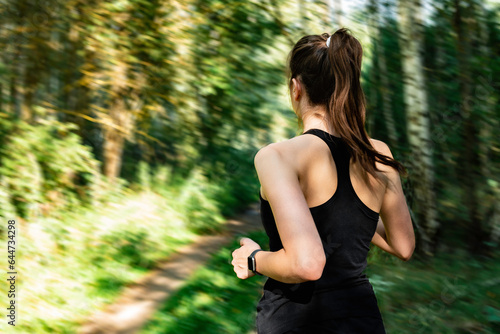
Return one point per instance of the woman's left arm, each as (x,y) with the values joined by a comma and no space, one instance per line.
(302,257)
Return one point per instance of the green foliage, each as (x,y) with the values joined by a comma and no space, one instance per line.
(144,175)
(446,294)
(83,259)
(162,176)
(44,163)
(238,180)
(214,300)
(199,204)
(130,246)
(8,211)
(459,39)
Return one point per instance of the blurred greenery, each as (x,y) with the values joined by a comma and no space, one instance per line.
(83,259)
(452,293)
(127,128)
(214,300)
(456,297)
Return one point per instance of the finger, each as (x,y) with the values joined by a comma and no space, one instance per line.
(243,241)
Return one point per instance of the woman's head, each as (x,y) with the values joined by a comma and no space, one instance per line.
(329,76)
(322,70)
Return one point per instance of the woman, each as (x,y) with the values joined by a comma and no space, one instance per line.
(322,196)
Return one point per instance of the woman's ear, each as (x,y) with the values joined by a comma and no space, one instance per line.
(296,89)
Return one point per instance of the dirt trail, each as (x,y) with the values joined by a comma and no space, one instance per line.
(139,301)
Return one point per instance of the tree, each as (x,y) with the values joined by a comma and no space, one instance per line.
(382,88)
(422,167)
(475,109)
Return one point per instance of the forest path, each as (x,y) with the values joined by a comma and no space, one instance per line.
(139,301)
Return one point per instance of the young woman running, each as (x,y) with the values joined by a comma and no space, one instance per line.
(325,195)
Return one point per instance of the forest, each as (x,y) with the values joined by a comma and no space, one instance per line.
(128,128)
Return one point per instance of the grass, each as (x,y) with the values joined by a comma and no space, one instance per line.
(72,265)
(451,293)
(214,300)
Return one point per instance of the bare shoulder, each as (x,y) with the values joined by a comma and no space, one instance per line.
(273,164)
(381,147)
(285,150)
(270,151)
(388,173)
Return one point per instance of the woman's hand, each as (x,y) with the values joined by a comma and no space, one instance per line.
(240,258)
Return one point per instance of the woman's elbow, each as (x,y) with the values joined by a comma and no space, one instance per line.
(311,268)
(406,248)
(407,254)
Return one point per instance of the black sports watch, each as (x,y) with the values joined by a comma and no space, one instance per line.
(252,265)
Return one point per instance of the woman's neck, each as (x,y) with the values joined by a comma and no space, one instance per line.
(314,118)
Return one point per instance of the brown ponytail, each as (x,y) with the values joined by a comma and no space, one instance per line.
(331,77)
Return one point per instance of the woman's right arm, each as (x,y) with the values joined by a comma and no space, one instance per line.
(302,257)
(395,230)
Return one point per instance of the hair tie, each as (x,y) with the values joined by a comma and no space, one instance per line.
(328,42)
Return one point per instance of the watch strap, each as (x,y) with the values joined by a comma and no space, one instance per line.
(252,265)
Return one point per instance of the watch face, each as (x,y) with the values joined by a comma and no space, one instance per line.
(251,264)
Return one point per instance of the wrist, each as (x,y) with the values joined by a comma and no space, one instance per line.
(258,261)
(252,261)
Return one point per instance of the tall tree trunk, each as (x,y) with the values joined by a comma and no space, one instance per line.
(75,98)
(373,100)
(118,122)
(13,106)
(483,91)
(30,83)
(383,87)
(387,99)
(464,23)
(16,70)
(114,139)
(422,169)
(26,63)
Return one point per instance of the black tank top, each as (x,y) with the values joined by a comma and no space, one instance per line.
(343,297)
(346,227)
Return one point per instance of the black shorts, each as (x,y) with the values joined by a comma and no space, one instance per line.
(351,325)
(353,310)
